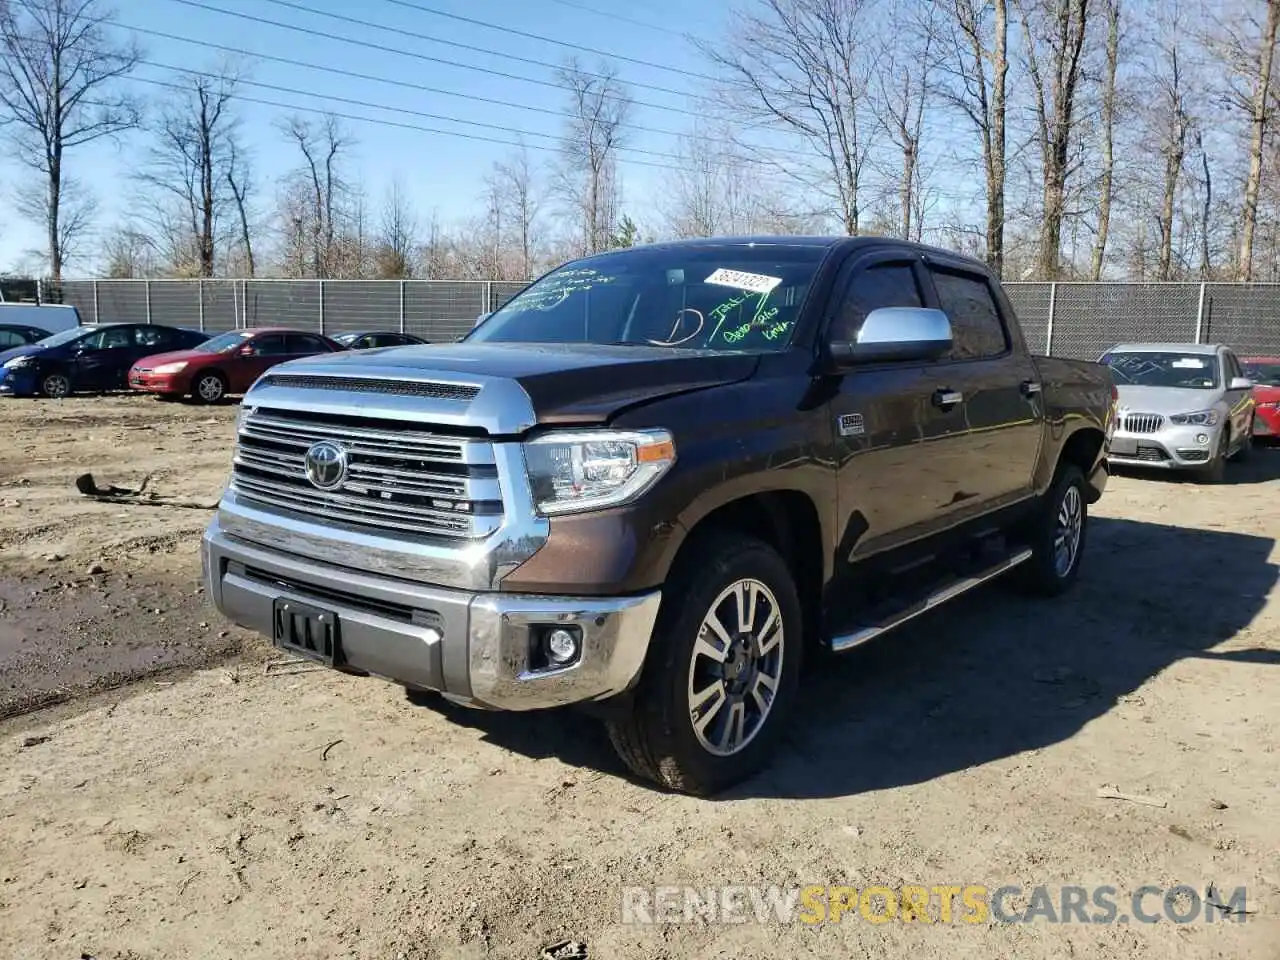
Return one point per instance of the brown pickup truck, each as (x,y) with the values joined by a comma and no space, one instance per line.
(656,481)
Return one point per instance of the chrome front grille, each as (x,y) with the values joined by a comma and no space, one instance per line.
(399,478)
(1142,423)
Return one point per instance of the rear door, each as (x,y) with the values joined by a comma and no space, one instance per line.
(1000,413)
(894,431)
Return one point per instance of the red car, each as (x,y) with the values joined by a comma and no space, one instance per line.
(226,364)
(1265,373)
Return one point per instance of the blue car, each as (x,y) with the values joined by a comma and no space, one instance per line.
(91,358)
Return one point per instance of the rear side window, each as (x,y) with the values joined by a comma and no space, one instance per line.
(976,328)
(881,285)
(305,343)
(153,336)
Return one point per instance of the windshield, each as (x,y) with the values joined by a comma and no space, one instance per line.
(223,342)
(1191,371)
(1265,373)
(66,336)
(732,297)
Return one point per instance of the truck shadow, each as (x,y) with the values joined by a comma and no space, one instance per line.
(998,674)
(987,677)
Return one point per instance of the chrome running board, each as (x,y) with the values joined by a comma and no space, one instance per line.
(848,641)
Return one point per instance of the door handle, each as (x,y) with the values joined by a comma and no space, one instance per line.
(946,399)
(1030,388)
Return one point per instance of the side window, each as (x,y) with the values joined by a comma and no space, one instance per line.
(976,328)
(109,338)
(271,345)
(1232,365)
(306,343)
(881,285)
(10,338)
(153,336)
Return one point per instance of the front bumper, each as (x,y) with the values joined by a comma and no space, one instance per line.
(18,382)
(1172,447)
(475,648)
(157,383)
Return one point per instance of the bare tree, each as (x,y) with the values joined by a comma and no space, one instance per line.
(901,95)
(806,65)
(397,235)
(520,196)
(240,182)
(1259,104)
(58,71)
(77,208)
(1171,107)
(599,105)
(323,146)
(129,254)
(189,180)
(1108,122)
(978,61)
(1054,32)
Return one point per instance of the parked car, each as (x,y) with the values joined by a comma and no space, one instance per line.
(655,480)
(1265,374)
(19,335)
(54,317)
(372,339)
(89,358)
(225,364)
(1182,406)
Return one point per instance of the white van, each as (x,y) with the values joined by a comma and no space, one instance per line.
(53,317)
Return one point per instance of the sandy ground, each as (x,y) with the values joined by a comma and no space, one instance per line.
(240,811)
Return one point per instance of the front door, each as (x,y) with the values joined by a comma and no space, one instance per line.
(895,424)
(101,359)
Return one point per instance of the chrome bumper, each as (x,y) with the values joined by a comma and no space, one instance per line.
(475,648)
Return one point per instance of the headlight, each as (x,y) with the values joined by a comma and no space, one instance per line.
(19,362)
(572,471)
(1201,418)
(176,367)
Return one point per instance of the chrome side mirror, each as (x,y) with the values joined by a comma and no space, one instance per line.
(896,333)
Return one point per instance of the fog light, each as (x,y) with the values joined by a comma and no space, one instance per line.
(1202,438)
(562,646)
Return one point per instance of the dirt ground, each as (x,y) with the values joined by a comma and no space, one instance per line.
(245,809)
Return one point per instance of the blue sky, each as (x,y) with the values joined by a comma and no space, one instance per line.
(441,173)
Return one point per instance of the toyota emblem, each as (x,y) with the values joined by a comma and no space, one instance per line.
(326,465)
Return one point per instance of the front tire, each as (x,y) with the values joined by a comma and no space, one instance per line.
(55,386)
(1215,471)
(209,387)
(1056,536)
(1246,445)
(723,669)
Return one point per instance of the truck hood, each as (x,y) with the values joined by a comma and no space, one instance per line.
(565,383)
(1166,400)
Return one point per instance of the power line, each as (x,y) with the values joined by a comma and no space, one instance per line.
(383,48)
(423,8)
(357,118)
(407,84)
(623,19)
(404,110)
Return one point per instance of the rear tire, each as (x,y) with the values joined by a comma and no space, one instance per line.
(1056,535)
(209,386)
(725,654)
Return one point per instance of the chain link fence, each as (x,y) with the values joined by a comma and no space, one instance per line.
(1079,320)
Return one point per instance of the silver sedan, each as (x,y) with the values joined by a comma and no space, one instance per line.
(1181,406)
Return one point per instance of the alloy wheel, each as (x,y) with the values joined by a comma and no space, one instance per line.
(1066,534)
(736,667)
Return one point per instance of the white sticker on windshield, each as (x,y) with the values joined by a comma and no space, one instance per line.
(741,280)
(1189,363)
